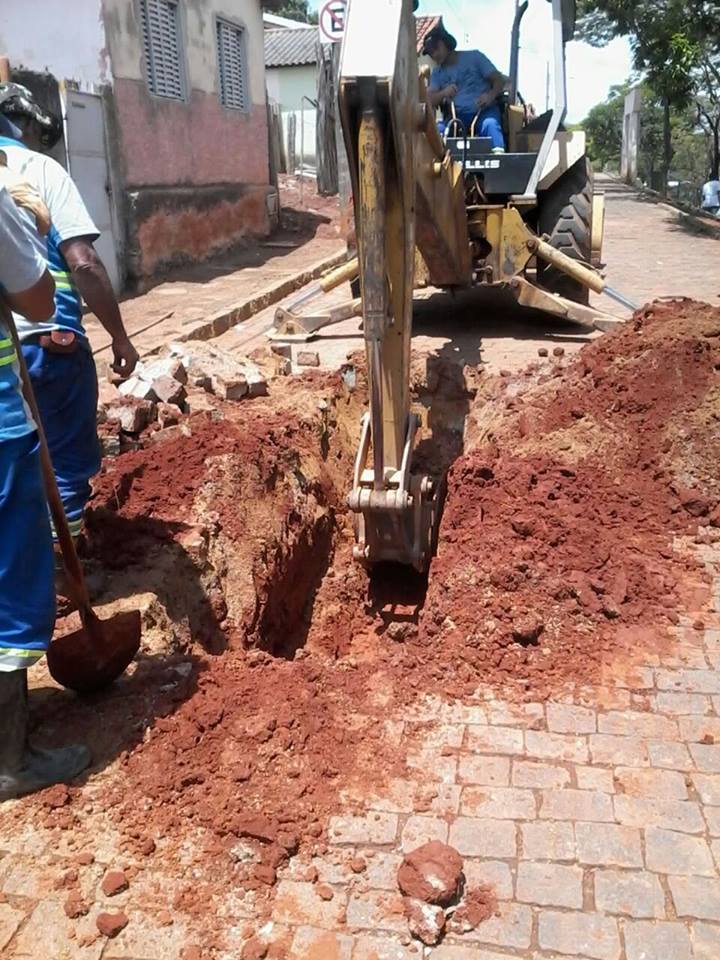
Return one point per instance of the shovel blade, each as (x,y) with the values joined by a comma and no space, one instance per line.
(92,657)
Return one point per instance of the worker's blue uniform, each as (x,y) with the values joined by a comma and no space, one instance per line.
(66,390)
(65,384)
(470,73)
(27,592)
(27,606)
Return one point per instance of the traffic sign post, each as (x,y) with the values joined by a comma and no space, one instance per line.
(331,20)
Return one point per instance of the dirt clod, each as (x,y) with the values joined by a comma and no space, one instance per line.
(478,905)
(254,949)
(114,882)
(432,873)
(75,907)
(111,924)
(425,921)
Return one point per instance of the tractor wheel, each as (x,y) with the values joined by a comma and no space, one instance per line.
(565,216)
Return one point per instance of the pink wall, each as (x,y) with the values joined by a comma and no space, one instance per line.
(170,235)
(165,142)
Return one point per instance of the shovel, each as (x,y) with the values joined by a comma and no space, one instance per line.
(91,657)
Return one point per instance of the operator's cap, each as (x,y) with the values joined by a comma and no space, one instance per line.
(436,35)
(17,101)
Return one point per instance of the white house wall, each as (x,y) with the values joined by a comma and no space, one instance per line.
(66,40)
(287,86)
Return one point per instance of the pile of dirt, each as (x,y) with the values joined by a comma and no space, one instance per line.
(556,551)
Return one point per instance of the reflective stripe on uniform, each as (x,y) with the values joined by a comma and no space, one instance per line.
(63,279)
(7,360)
(15,658)
(74,525)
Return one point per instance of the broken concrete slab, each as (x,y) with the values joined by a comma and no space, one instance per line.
(168,414)
(169,390)
(132,415)
(136,387)
(308,358)
(230,377)
(169,366)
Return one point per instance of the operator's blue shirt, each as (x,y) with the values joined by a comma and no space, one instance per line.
(470,73)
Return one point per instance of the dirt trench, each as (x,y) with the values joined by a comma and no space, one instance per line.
(274,669)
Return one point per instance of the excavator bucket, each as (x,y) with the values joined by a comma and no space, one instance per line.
(383,108)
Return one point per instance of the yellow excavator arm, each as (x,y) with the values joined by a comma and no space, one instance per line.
(407,192)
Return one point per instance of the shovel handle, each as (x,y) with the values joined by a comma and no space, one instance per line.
(57,511)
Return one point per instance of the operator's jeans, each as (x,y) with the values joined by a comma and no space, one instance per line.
(489,124)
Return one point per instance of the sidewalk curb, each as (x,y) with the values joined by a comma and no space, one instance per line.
(218,323)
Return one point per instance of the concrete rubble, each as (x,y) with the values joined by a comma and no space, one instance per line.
(189,379)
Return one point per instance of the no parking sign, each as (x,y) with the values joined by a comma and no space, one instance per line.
(331,20)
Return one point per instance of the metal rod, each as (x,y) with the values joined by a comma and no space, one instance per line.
(376,415)
(620,298)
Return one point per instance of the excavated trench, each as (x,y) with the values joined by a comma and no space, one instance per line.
(234,524)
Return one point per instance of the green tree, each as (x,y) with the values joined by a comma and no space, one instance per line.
(292,9)
(666,46)
(604,129)
(707,104)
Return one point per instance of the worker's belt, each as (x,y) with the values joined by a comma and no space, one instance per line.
(57,341)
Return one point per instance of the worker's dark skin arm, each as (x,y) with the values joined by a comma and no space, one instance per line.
(498,84)
(447,93)
(37,303)
(90,277)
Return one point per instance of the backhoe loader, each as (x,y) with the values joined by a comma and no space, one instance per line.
(451,210)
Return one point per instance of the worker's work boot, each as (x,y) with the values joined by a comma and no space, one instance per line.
(24,769)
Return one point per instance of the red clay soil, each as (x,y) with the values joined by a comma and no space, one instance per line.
(557,538)
(556,560)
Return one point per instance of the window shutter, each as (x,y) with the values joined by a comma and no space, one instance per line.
(231,63)
(160,21)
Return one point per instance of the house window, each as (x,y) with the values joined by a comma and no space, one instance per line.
(231,63)
(162,42)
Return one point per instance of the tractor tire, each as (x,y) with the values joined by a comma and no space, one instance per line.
(565,217)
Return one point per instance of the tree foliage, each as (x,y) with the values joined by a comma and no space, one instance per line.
(674,45)
(292,9)
(691,148)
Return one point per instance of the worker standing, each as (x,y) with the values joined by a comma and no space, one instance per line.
(27,600)
(470,81)
(710,196)
(57,353)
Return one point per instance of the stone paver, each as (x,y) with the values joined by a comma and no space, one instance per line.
(590,934)
(706,941)
(648,940)
(548,841)
(696,897)
(669,852)
(629,892)
(550,885)
(605,844)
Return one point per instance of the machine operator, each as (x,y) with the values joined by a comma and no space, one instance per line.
(469,80)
